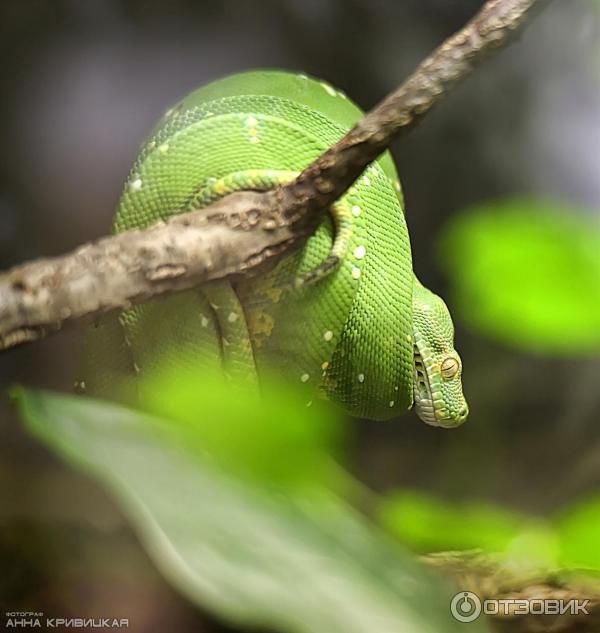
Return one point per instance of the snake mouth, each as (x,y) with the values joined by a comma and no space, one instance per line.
(422,391)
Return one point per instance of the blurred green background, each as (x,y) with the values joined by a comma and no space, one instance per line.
(502,189)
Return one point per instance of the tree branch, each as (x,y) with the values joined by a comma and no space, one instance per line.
(232,236)
(242,232)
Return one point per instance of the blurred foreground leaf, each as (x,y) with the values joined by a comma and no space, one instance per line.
(527,273)
(304,563)
(276,439)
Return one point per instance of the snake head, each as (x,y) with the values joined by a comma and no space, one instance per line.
(437,386)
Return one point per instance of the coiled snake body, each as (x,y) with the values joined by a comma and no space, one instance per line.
(344,315)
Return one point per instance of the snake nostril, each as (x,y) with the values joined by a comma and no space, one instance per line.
(463,412)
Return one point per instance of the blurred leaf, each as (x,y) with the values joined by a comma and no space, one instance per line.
(276,438)
(259,559)
(579,531)
(427,524)
(537,545)
(527,273)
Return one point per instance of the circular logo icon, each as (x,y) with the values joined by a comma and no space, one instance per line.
(465,606)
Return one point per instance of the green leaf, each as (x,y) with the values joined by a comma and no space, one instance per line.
(276,439)
(427,524)
(579,531)
(303,563)
(527,273)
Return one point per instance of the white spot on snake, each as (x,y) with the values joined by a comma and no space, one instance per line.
(355,210)
(361,378)
(204,321)
(329,89)
(328,335)
(325,365)
(397,185)
(425,306)
(304,377)
(136,185)
(252,125)
(409,338)
(360,251)
(302,76)
(164,148)
(232,317)
(152,145)
(366,181)
(391,403)
(355,272)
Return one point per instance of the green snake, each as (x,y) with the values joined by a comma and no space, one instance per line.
(344,317)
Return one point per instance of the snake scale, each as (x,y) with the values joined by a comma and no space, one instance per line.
(344,316)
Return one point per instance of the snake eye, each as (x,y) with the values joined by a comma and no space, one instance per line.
(449,368)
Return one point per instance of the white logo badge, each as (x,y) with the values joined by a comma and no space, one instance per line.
(465,606)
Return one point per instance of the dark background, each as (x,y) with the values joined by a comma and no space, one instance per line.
(81,84)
